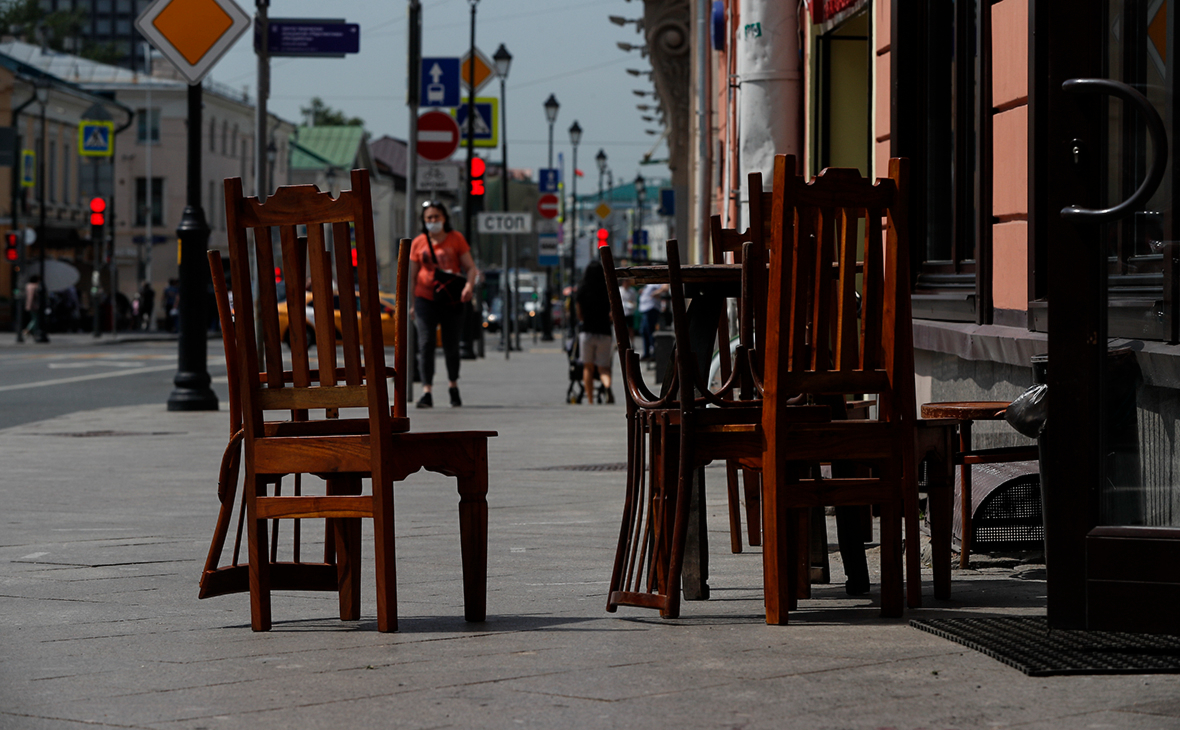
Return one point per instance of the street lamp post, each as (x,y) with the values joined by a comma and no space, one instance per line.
(467,342)
(503,61)
(575,138)
(600,158)
(640,199)
(551,107)
(39,334)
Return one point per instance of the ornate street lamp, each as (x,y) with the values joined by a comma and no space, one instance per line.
(575,138)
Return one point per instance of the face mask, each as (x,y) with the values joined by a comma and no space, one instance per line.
(434,226)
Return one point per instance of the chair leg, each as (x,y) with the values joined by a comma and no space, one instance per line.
(473,536)
(256,546)
(347,535)
(752,481)
(776,541)
(941,503)
(735,507)
(819,565)
(892,593)
(383,553)
(695,578)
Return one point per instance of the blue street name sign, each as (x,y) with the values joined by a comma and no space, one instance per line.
(440,82)
(312,37)
(549,180)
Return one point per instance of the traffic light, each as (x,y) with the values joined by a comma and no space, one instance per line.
(478,166)
(98,207)
(11,252)
(278,275)
(603,237)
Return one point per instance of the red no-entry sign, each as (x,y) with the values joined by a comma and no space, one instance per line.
(547,205)
(438,136)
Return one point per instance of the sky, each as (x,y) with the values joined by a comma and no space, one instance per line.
(562,47)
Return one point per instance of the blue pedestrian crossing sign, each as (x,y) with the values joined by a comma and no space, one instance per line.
(96,139)
(440,82)
(486,122)
(549,180)
(28,168)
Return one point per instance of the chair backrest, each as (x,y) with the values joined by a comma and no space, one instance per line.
(839,308)
(308,264)
(634,388)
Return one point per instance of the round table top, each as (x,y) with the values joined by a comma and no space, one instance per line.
(987,410)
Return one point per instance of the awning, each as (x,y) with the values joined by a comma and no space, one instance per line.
(825,11)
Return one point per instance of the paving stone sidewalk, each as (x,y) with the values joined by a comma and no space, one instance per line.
(103,536)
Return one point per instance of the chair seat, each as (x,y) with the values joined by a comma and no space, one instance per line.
(966,410)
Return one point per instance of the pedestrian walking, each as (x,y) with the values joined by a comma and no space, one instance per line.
(630,299)
(649,312)
(32,315)
(592,307)
(437,255)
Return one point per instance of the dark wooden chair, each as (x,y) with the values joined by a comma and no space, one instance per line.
(316,440)
(838,325)
(670,437)
(729,245)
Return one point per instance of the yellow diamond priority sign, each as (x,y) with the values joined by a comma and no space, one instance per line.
(193,34)
(484,70)
(603,210)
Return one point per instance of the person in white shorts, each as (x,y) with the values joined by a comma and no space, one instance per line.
(592,307)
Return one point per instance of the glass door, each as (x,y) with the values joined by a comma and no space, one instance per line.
(1104,196)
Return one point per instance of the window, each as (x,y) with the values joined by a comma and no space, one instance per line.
(66,193)
(141,201)
(212,205)
(940,59)
(51,172)
(212,134)
(224,135)
(233,146)
(149,124)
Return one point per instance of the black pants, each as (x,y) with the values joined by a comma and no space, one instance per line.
(427,317)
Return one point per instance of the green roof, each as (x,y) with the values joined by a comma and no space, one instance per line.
(319,146)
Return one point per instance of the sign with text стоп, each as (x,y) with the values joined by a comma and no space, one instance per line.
(505,222)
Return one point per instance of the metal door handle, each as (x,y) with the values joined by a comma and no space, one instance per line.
(1159,149)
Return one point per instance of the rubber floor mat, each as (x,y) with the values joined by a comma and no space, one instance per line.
(1028,644)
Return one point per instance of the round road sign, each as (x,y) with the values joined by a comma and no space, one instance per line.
(547,205)
(438,136)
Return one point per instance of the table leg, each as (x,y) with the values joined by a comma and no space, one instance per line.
(696,547)
(965,496)
(473,536)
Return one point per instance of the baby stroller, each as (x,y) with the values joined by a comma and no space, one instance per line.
(577,390)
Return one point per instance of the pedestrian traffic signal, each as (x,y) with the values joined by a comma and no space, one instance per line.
(603,236)
(278,275)
(10,247)
(478,166)
(98,208)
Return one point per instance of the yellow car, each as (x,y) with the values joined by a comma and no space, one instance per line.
(387,323)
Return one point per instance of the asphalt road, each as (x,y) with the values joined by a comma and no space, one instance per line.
(73,374)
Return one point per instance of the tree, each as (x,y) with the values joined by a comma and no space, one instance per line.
(320,114)
(61,30)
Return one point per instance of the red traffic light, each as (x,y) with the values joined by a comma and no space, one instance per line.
(478,167)
(98,205)
(10,247)
(278,275)
(603,235)
(354,257)
(97,219)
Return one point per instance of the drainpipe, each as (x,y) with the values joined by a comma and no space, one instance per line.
(769,69)
(702,208)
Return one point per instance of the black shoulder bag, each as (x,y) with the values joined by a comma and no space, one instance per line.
(448,287)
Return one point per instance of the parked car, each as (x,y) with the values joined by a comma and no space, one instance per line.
(387,322)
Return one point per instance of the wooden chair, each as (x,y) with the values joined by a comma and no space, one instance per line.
(838,324)
(342,451)
(737,246)
(669,438)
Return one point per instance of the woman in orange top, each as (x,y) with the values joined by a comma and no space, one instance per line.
(453,255)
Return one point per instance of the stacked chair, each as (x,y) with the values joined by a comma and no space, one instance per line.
(339,370)
(837,327)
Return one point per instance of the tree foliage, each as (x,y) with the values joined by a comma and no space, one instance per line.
(60,30)
(320,114)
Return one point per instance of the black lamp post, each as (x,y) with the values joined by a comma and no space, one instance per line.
(640,199)
(551,107)
(575,138)
(272,154)
(39,334)
(470,320)
(600,158)
(503,61)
